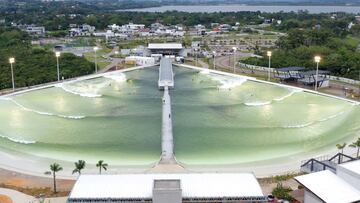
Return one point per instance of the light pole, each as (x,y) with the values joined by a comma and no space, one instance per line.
(196,57)
(234,48)
(116,53)
(57,54)
(214,54)
(11,61)
(95,49)
(269,55)
(317,61)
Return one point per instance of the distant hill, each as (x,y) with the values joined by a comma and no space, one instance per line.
(307,2)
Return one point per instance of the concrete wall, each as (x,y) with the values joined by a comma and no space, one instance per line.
(349,176)
(309,197)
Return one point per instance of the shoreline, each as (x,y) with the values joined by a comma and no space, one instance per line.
(262,7)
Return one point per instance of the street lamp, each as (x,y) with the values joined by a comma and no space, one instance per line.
(11,61)
(196,57)
(317,61)
(214,53)
(95,49)
(234,48)
(116,53)
(57,54)
(269,55)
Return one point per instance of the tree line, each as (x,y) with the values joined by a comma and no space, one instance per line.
(298,48)
(79,166)
(34,65)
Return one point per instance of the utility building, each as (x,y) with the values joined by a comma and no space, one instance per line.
(167,188)
(165,49)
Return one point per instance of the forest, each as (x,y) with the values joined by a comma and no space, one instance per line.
(34,65)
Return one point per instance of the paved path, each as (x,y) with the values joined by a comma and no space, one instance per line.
(114,61)
(18,197)
(167,140)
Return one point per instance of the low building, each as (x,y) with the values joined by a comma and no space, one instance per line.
(350,172)
(341,186)
(357,18)
(167,188)
(82,30)
(175,49)
(33,30)
(139,60)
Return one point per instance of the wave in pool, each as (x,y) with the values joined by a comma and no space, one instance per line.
(119,77)
(21,141)
(81,91)
(314,122)
(262,103)
(226,83)
(292,91)
(43,113)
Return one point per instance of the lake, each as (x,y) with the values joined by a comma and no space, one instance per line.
(237,8)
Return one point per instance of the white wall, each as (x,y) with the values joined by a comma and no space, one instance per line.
(309,197)
(349,176)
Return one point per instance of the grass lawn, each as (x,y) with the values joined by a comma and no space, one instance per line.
(101,61)
(352,40)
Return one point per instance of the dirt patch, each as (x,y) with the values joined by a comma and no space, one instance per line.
(5,199)
(34,185)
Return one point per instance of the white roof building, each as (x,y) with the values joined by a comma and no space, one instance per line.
(326,186)
(350,172)
(140,187)
(175,49)
(165,46)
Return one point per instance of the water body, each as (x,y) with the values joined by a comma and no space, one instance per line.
(217,120)
(237,8)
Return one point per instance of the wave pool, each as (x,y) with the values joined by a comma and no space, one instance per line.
(217,120)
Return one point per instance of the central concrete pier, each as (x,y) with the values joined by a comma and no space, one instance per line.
(166,74)
(167,140)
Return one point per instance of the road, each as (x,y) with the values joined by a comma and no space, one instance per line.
(114,61)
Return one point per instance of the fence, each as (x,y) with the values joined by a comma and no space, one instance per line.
(331,77)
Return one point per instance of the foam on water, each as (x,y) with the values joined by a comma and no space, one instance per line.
(257,103)
(262,103)
(21,141)
(226,83)
(314,122)
(44,113)
(119,77)
(292,91)
(77,92)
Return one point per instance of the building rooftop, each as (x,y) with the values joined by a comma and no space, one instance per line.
(140,186)
(165,46)
(329,187)
(353,166)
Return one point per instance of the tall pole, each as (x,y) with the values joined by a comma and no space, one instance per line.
(95,58)
(316,77)
(196,57)
(12,60)
(57,54)
(317,61)
(214,59)
(234,48)
(116,53)
(269,55)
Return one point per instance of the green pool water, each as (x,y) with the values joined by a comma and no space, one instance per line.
(217,120)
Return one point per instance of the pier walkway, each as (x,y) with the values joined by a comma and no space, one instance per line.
(166,74)
(167,140)
(166,81)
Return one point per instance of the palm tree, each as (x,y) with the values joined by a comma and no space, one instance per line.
(55,167)
(80,165)
(341,147)
(101,165)
(356,145)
